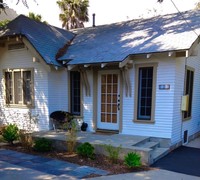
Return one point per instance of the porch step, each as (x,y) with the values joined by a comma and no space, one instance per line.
(158,153)
(150,144)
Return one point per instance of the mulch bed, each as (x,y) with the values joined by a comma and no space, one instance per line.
(100,161)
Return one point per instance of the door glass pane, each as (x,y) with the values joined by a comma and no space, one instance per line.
(109,98)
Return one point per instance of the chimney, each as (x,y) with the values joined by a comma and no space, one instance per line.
(93,23)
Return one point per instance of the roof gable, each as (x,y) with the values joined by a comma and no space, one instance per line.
(114,42)
(46,39)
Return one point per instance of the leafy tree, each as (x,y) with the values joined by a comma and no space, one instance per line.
(74,13)
(36,17)
(4,22)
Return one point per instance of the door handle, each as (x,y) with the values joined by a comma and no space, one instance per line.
(118,106)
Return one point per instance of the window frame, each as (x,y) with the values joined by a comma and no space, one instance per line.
(71,95)
(14,91)
(137,67)
(190,101)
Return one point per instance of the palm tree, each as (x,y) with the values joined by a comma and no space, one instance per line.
(36,17)
(74,13)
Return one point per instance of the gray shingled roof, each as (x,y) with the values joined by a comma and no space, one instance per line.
(113,43)
(46,39)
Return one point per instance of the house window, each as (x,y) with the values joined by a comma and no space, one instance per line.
(145,92)
(189,91)
(19,89)
(75,93)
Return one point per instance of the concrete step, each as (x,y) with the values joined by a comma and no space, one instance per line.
(158,153)
(150,144)
(142,142)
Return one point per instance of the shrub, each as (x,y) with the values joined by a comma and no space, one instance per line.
(25,139)
(86,150)
(11,133)
(132,160)
(113,152)
(71,137)
(42,145)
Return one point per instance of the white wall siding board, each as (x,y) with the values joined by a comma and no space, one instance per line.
(58,90)
(23,59)
(193,125)
(179,88)
(163,103)
(88,103)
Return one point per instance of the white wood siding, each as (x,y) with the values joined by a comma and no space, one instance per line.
(163,103)
(23,59)
(193,125)
(58,90)
(179,88)
(87,103)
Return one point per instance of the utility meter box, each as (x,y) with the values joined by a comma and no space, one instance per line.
(185,103)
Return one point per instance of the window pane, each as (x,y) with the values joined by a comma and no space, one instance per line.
(9,89)
(145,88)
(18,87)
(75,93)
(27,91)
(189,91)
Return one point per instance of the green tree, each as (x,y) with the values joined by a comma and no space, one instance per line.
(4,22)
(74,13)
(36,17)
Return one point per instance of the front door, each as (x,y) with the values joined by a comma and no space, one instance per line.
(108,100)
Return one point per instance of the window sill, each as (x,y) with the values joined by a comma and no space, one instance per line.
(143,121)
(186,119)
(20,106)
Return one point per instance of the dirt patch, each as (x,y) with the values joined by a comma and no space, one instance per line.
(100,161)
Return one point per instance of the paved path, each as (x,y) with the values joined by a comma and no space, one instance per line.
(21,166)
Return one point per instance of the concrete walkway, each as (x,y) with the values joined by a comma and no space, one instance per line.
(157,174)
(16,165)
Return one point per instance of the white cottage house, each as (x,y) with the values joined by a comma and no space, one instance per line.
(140,77)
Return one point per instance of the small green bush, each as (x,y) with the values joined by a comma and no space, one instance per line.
(132,160)
(10,133)
(113,152)
(42,145)
(86,150)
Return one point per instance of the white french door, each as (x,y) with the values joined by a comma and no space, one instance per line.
(108,100)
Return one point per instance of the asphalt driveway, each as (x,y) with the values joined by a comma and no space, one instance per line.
(182,160)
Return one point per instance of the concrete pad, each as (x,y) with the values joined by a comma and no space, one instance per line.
(149,175)
(194,143)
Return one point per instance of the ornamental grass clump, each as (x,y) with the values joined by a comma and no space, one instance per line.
(113,152)
(132,160)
